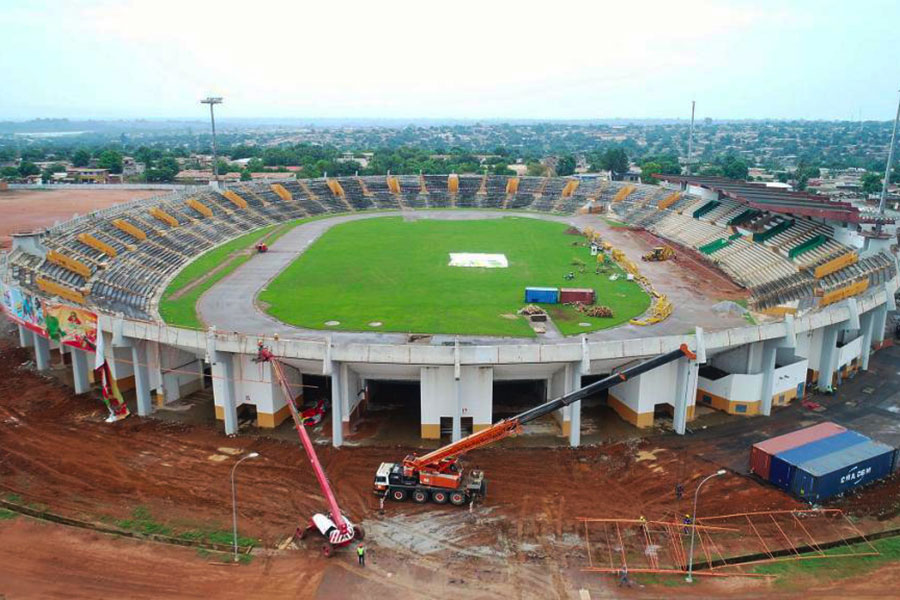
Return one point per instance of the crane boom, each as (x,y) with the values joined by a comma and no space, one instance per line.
(512,425)
(278,372)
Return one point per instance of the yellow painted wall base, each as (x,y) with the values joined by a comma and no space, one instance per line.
(220,413)
(125,384)
(726,405)
(159,399)
(566,428)
(639,420)
(269,420)
(431,431)
(476,427)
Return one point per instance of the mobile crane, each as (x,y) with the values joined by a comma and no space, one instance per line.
(335,527)
(439,475)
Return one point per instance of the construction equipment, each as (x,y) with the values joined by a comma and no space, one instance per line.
(439,475)
(335,527)
(658,254)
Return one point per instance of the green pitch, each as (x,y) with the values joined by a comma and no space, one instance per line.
(396,272)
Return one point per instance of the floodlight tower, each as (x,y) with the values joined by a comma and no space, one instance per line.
(890,160)
(212,101)
(691,138)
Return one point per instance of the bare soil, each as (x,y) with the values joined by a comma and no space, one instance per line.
(29,210)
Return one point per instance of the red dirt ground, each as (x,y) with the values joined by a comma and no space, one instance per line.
(27,210)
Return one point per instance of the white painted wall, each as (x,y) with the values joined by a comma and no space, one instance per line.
(732,361)
(788,377)
(439,394)
(738,387)
(848,236)
(849,351)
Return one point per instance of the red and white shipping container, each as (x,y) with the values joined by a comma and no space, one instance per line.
(761,453)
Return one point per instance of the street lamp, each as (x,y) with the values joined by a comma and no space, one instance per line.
(234,501)
(689,577)
(212,101)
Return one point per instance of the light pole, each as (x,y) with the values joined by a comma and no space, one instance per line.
(234,501)
(689,577)
(212,101)
(887,170)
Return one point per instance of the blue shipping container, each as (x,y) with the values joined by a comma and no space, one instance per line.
(838,472)
(542,295)
(784,463)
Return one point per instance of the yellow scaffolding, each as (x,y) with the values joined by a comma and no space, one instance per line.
(89,240)
(163,216)
(512,185)
(845,292)
(570,188)
(453,183)
(129,229)
(76,266)
(668,201)
(55,289)
(282,192)
(836,264)
(235,199)
(623,193)
(335,186)
(199,207)
(393,184)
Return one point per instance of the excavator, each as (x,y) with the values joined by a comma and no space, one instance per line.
(659,254)
(440,475)
(337,530)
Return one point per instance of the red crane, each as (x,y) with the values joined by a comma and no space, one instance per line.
(335,527)
(439,476)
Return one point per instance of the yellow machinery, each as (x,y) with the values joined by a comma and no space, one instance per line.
(660,253)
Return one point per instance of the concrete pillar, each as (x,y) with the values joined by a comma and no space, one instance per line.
(229,403)
(25,338)
(826,357)
(141,378)
(41,351)
(574,371)
(768,370)
(685,392)
(337,413)
(457,410)
(878,325)
(80,371)
(866,323)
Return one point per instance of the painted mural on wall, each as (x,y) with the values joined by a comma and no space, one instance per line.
(72,326)
(23,308)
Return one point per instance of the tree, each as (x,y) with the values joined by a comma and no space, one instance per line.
(565,165)
(110,159)
(647,170)
(245,175)
(165,169)
(255,165)
(9,173)
(615,160)
(535,169)
(47,174)
(81,158)
(735,169)
(28,168)
(871,182)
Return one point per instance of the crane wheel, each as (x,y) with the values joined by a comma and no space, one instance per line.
(420,496)
(359,533)
(398,495)
(439,497)
(457,498)
(327,550)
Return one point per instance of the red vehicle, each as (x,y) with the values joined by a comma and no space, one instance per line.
(262,247)
(312,415)
(439,476)
(337,530)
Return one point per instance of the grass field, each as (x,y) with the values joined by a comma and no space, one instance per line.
(396,272)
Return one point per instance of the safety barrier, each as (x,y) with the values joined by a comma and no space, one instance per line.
(235,199)
(512,185)
(393,184)
(71,264)
(668,201)
(836,264)
(660,308)
(711,205)
(768,234)
(335,186)
(623,193)
(89,240)
(281,192)
(570,188)
(453,183)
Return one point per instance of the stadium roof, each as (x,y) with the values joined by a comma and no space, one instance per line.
(778,200)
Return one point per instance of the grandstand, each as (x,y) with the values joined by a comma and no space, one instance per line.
(121,258)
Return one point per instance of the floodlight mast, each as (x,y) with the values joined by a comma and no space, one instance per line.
(691,139)
(890,161)
(212,101)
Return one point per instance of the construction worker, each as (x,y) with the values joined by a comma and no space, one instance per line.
(643,522)
(688,521)
(361,555)
(679,491)
(623,576)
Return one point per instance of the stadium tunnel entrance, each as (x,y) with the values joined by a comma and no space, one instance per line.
(514,396)
(390,410)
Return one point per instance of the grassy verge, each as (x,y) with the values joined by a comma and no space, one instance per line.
(396,272)
(182,311)
(7,514)
(142,521)
(614,223)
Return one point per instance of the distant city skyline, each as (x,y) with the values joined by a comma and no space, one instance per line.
(409,61)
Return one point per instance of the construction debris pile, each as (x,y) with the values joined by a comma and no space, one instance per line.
(592,311)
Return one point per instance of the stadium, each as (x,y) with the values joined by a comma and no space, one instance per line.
(355,291)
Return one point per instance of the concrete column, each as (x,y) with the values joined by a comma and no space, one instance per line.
(80,371)
(457,411)
(878,325)
(25,338)
(229,403)
(574,371)
(685,392)
(866,323)
(337,413)
(768,370)
(141,378)
(41,351)
(826,357)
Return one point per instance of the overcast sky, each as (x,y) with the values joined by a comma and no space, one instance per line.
(429,59)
